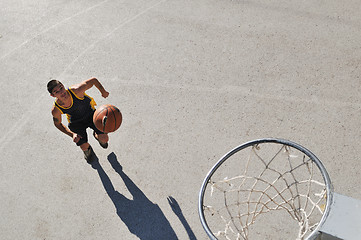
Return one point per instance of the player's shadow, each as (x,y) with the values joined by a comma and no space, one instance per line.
(178,211)
(142,217)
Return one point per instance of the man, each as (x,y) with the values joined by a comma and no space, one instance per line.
(79,108)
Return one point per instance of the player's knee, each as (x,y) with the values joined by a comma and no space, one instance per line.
(103,138)
(84,146)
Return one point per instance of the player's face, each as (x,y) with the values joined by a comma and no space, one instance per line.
(59,91)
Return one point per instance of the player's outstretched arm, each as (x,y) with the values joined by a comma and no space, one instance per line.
(87,84)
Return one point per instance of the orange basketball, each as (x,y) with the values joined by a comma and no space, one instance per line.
(107,118)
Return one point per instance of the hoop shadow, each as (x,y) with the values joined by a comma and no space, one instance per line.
(142,217)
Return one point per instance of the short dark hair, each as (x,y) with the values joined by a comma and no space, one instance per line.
(52,84)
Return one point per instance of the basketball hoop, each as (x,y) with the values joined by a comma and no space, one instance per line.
(250,191)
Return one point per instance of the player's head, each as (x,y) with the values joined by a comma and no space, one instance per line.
(52,84)
(54,87)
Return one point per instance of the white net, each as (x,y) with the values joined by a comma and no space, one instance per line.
(266,191)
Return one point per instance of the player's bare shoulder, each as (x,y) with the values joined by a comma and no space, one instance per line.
(78,89)
(56,113)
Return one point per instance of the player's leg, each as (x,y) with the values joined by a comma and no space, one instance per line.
(80,129)
(102,138)
(87,149)
(88,152)
(84,146)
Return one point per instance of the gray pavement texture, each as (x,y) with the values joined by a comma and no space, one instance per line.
(193,80)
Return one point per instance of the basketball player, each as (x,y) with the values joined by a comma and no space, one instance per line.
(79,109)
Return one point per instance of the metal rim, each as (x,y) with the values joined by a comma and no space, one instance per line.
(319,164)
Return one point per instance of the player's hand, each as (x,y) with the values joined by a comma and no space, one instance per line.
(174,205)
(76,137)
(105,94)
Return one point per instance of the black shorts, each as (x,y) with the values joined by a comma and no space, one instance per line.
(80,128)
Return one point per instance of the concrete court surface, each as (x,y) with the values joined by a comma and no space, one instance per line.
(193,80)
